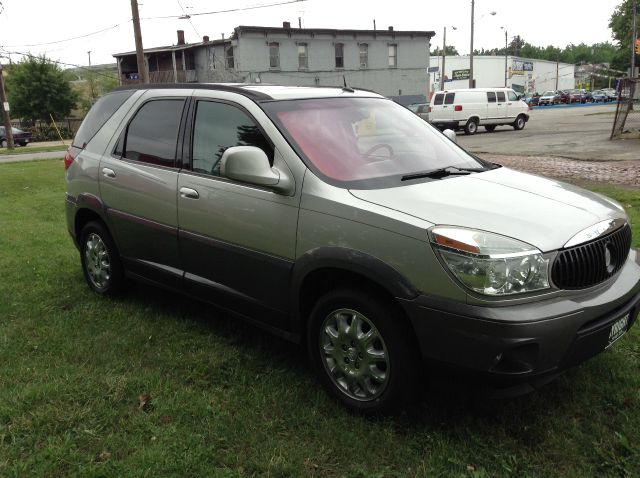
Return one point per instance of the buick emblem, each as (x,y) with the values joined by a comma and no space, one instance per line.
(608,258)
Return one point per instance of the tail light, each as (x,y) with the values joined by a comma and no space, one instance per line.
(72,152)
(429,109)
(457,108)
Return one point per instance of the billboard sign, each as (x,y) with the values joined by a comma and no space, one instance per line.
(460,74)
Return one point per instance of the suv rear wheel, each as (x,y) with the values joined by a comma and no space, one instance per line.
(359,349)
(472,126)
(100,260)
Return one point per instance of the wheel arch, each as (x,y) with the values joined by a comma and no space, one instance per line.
(324,269)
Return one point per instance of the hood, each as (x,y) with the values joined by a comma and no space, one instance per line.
(541,212)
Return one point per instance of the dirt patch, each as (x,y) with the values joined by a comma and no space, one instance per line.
(621,173)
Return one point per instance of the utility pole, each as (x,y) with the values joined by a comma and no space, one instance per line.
(4,105)
(557,71)
(506,51)
(91,78)
(444,55)
(634,34)
(142,71)
(471,82)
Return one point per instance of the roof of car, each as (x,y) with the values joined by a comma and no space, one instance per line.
(263,92)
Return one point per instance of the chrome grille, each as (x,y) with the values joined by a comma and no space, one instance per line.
(593,262)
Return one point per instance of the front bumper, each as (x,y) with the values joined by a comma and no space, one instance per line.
(524,345)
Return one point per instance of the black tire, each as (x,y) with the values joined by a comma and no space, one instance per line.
(490,128)
(100,260)
(471,127)
(400,364)
(23,144)
(519,123)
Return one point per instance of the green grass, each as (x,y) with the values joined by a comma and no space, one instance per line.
(229,400)
(32,149)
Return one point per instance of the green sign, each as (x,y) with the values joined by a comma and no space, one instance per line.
(460,74)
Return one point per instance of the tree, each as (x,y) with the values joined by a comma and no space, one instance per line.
(450,51)
(621,23)
(36,88)
(515,46)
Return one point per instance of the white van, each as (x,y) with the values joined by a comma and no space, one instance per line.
(470,108)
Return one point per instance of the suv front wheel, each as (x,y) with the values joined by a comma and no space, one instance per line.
(100,260)
(361,351)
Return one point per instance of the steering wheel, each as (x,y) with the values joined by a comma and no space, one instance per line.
(376,147)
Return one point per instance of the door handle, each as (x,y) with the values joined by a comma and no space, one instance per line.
(108,173)
(189,193)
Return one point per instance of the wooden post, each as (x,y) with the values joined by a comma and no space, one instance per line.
(5,112)
(142,71)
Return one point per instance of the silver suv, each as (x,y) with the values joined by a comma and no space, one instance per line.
(339,219)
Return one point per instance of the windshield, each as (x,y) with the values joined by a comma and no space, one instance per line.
(364,142)
(549,93)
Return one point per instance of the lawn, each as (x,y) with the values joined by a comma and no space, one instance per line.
(32,149)
(152,384)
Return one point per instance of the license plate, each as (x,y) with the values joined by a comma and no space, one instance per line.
(618,329)
(26,140)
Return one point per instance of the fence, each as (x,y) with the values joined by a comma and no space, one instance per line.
(626,124)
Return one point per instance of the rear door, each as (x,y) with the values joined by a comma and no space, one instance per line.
(138,184)
(437,110)
(448,106)
(237,241)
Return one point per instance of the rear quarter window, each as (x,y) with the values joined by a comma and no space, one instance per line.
(98,115)
(438,99)
(449,98)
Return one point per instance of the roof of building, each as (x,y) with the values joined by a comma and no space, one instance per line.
(185,46)
(263,92)
(331,31)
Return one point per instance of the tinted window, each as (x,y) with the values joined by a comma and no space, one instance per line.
(448,99)
(512,96)
(500,96)
(152,135)
(491,97)
(220,126)
(438,99)
(99,115)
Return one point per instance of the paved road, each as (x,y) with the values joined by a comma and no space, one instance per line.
(576,132)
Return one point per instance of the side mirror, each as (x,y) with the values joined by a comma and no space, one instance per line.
(249,164)
(449,133)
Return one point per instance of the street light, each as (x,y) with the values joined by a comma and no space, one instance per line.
(471,82)
(505,55)
(444,55)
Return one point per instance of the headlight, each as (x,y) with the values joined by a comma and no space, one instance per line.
(489,263)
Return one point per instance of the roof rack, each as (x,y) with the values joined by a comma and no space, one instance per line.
(256,95)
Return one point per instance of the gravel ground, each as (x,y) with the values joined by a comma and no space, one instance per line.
(620,173)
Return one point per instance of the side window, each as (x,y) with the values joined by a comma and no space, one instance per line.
(500,96)
(449,97)
(152,135)
(512,96)
(438,99)
(219,126)
(491,97)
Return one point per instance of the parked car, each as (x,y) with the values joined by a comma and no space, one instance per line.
(338,219)
(421,109)
(599,96)
(612,95)
(575,96)
(20,137)
(549,97)
(470,108)
(532,100)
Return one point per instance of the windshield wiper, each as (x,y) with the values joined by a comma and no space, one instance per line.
(442,172)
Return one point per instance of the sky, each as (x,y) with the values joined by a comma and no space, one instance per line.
(40,26)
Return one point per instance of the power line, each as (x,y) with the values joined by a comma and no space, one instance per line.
(227,11)
(187,17)
(95,72)
(70,39)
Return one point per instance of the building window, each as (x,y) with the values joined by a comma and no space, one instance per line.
(274,55)
(303,58)
(228,55)
(393,55)
(364,55)
(339,55)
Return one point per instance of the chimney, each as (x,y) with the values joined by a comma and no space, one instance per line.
(391,28)
(180,37)
(205,38)
(286,24)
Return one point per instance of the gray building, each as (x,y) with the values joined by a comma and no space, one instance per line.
(387,61)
